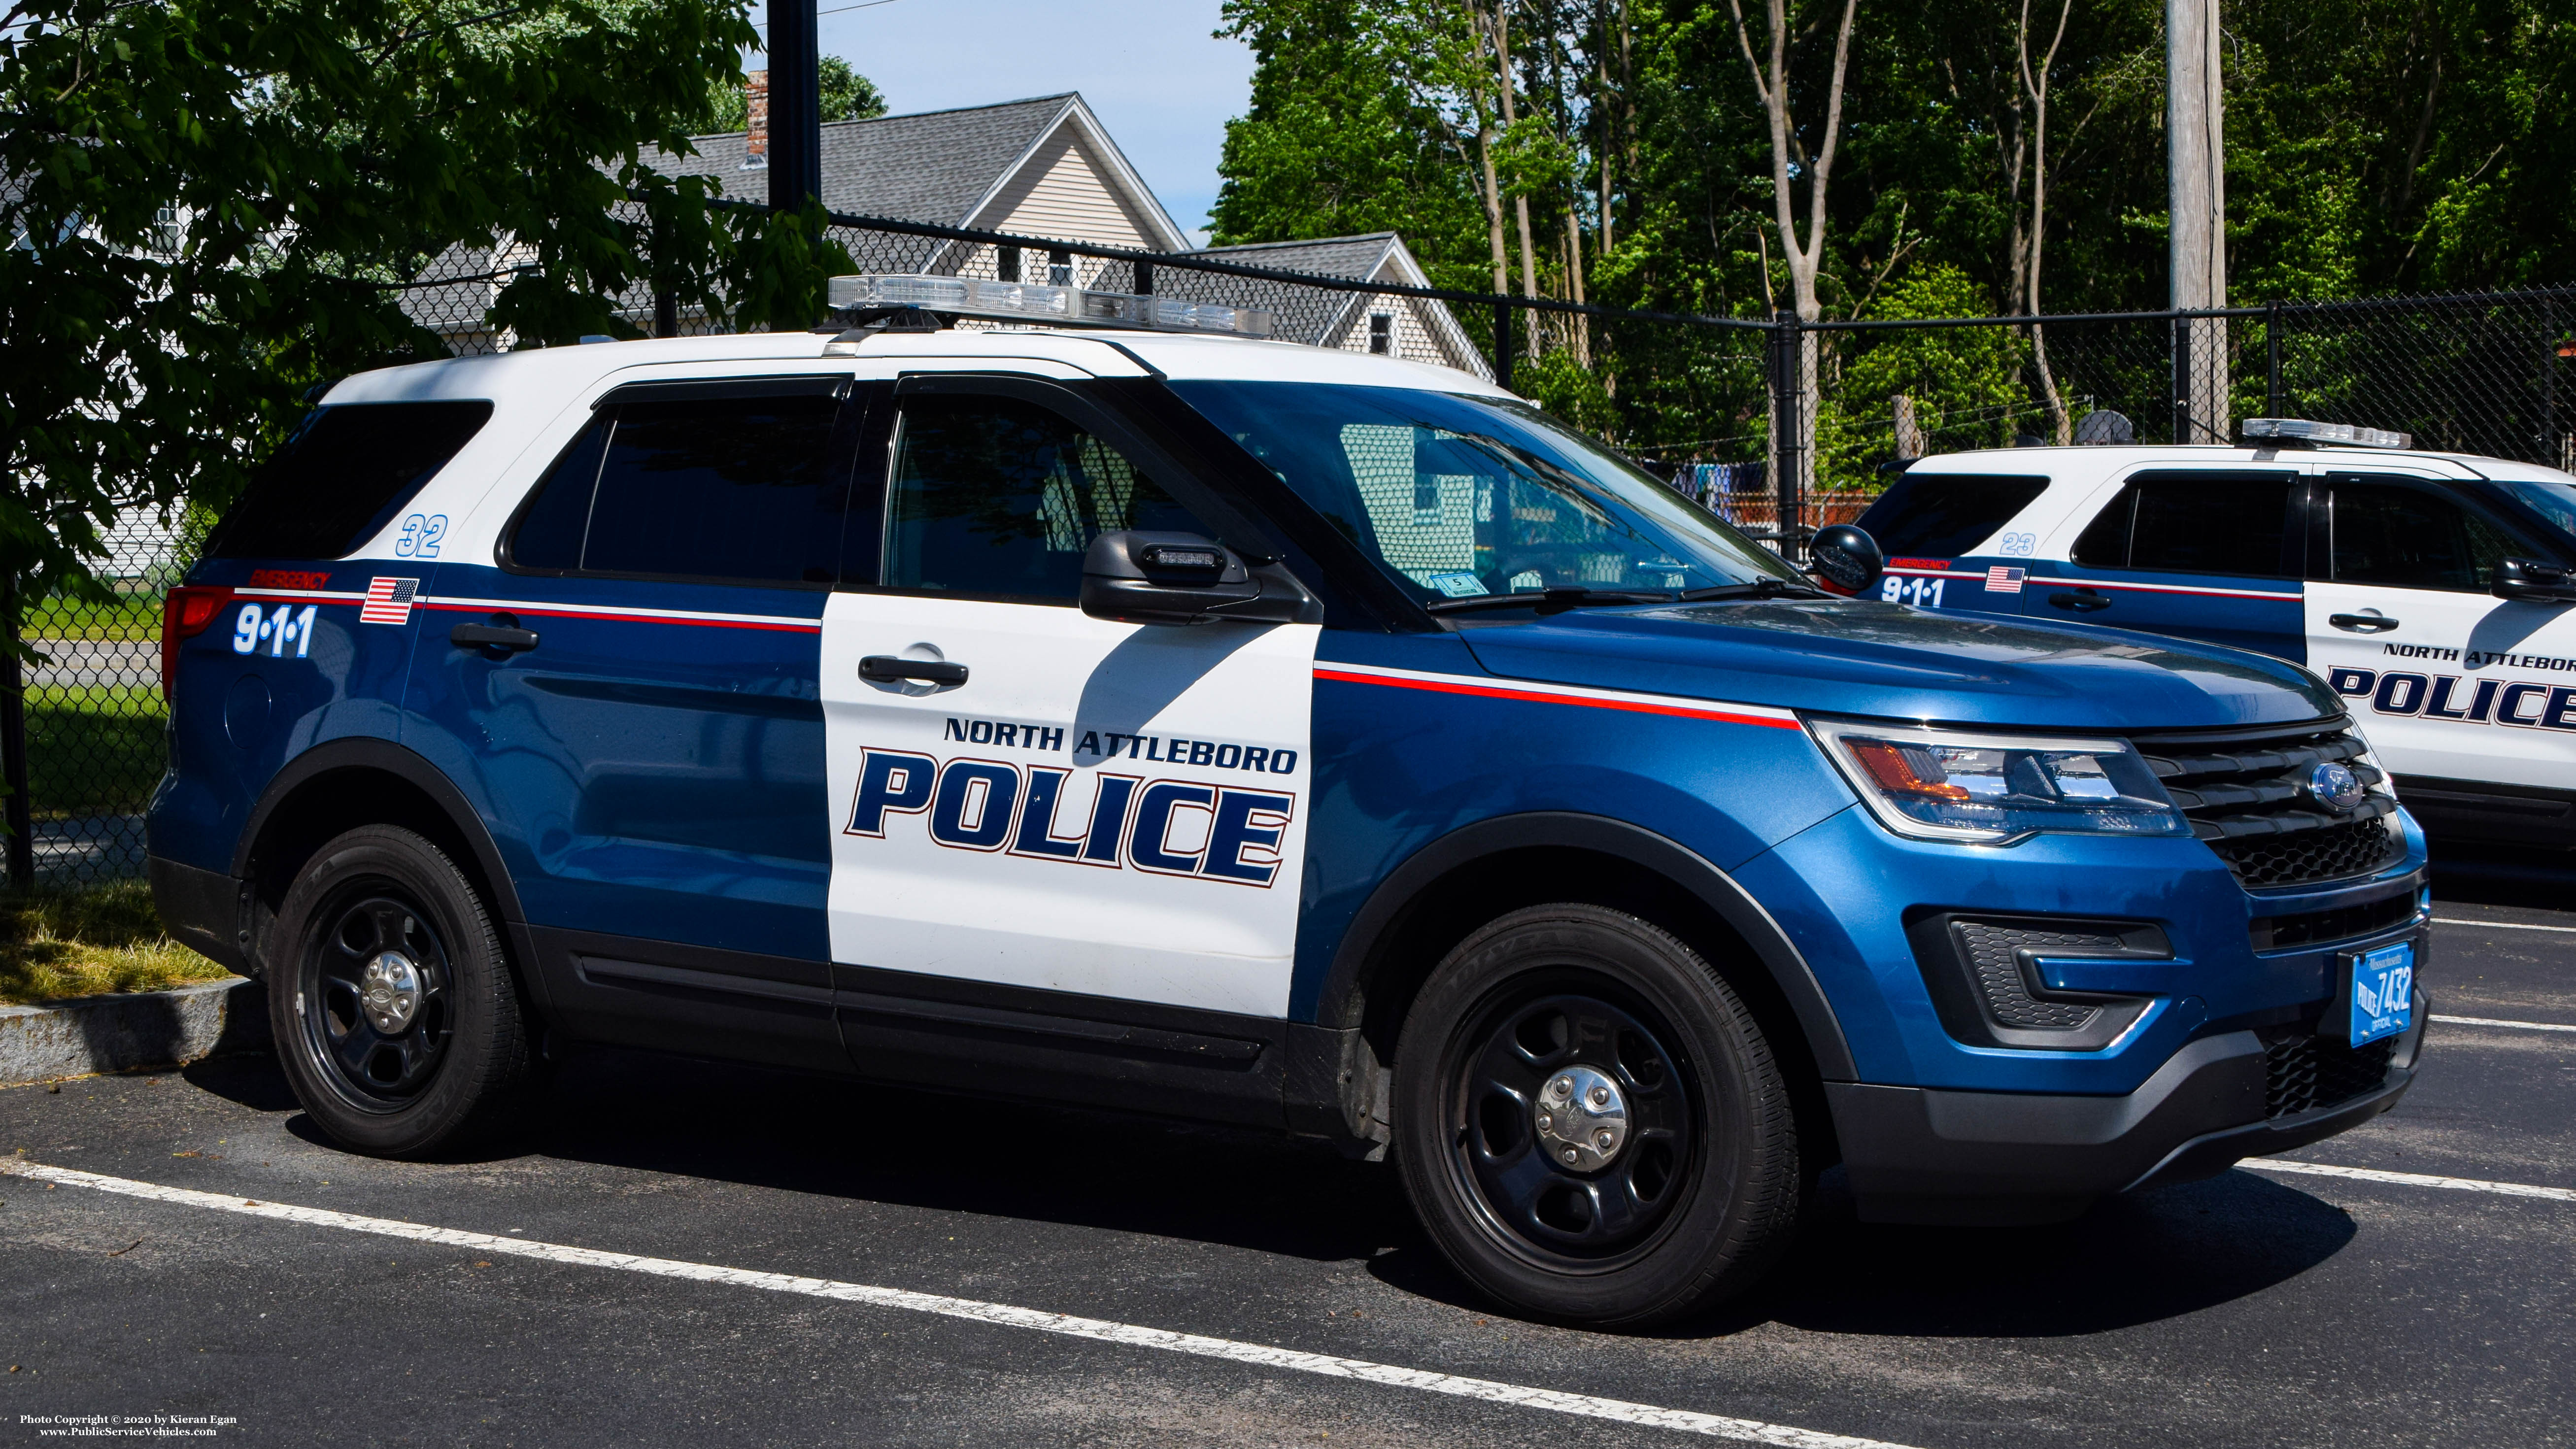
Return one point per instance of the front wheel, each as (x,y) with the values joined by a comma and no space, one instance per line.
(1589,1122)
(390,1000)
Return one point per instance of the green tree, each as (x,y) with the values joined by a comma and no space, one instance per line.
(1336,142)
(847,96)
(215,204)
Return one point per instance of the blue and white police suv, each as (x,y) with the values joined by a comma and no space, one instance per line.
(1227,729)
(2432,591)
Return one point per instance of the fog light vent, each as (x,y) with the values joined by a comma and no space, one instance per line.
(1993,954)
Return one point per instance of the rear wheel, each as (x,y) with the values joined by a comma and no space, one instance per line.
(390,998)
(1589,1122)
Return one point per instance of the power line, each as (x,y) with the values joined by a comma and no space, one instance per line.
(835,10)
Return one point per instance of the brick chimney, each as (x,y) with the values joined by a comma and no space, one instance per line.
(755,150)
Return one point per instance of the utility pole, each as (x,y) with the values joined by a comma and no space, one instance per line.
(795,105)
(2196,160)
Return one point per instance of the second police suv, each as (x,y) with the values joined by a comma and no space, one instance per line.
(2430,590)
(1226,729)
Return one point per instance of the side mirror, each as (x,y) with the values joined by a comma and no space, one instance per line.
(1846,559)
(2530,581)
(1180,578)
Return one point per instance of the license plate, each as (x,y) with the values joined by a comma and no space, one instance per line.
(2383,992)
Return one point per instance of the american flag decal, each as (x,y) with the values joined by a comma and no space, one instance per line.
(388,601)
(2002,580)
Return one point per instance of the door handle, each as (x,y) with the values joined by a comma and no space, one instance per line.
(2362,623)
(2084,600)
(502,632)
(886,668)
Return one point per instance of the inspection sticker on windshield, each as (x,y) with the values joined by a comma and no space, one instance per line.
(1457,586)
(2383,990)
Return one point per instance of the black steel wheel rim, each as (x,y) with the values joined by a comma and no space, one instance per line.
(366,1064)
(1558,1217)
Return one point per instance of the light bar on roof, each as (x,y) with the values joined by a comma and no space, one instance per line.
(2302,430)
(1034,302)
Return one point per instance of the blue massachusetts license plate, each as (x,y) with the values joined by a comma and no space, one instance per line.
(2383,992)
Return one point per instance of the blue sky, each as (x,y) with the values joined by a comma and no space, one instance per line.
(1150,68)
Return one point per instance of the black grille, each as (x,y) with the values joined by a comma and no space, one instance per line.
(2246,795)
(2356,847)
(2280,933)
(2302,1072)
(1990,955)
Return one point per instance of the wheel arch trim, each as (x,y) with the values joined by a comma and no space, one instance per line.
(370,753)
(1381,917)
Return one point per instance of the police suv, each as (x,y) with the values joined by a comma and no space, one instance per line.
(1226,729)
(2432,591)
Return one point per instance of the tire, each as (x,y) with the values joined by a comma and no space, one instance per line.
(1697,1190)
(444,1053)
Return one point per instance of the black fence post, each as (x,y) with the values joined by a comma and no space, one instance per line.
(13,743)
(1144,279)
(1503,345)
(2549,454)
(2272,403)
(1788,348)
(2181,379)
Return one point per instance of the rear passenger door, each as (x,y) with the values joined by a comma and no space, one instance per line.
(2203,555)
(632,683)
(1083,808)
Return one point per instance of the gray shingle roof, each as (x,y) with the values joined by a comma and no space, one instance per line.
(930,167)
(1357,257)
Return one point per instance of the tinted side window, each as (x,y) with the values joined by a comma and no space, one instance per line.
(2215,525)
(2390,533)
(997,496)
(1944,514)
(343,477)
(739,489)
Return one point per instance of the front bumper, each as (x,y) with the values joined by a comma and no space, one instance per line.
(1924,1155)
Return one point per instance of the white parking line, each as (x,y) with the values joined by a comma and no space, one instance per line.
(2503,925)
(2411,1179)
(2492,1021)
(1751,1431)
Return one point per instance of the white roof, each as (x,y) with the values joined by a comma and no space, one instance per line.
(2101,460)
(562,372)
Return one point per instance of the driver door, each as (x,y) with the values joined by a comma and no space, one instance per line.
(2457,689)
(1031,801)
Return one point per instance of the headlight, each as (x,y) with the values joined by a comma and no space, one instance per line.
(1997,789)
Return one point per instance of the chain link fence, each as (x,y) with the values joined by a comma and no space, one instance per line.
(1780,426)
(94,714)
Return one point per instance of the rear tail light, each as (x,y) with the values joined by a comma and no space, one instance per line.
(185,613)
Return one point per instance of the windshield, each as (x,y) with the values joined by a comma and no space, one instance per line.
(1469,497)
(2555,502)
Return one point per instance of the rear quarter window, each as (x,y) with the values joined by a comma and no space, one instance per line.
(343,476)
(1946,514)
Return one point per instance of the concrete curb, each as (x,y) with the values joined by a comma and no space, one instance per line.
(131,1029)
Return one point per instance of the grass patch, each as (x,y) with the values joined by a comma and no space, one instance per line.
(93,749)
(132,616)
(58,943)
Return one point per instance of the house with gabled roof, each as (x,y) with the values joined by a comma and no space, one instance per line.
(1412,327)
(1044,168)
(1039,167)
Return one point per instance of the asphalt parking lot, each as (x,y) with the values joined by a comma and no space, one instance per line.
(909,1269)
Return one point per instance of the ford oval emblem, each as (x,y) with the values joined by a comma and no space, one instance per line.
(2336,788)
